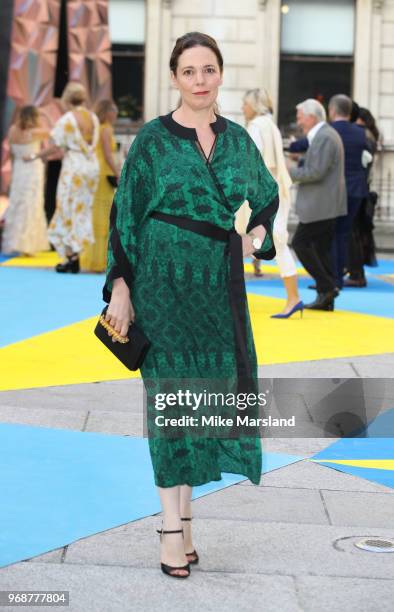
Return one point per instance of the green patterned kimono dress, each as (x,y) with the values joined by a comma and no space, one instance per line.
(179,280)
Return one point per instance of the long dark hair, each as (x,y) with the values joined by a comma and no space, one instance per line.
(367,117)
(194,39)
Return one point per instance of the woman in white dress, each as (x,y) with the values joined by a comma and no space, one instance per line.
(257,109)
(76,132)
(25,229)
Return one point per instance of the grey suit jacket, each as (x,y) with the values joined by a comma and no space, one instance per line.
(322,189)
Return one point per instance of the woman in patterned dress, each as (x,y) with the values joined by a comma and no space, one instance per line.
(175,267)
(77,134)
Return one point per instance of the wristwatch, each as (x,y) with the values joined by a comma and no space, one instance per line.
(256,241)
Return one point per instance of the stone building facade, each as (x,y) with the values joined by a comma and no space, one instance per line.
(249,34)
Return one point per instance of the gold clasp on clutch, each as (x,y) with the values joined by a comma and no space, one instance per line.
(112,332)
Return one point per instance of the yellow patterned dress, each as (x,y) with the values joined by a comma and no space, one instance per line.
(71,225)
(94,256)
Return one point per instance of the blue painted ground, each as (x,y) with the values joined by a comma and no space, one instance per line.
(376,299)
(58,486)
(385,266)
(375,443)
(41,301)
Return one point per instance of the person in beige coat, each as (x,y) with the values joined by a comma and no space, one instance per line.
(257,109)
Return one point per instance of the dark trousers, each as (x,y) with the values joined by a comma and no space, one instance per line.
(312,243)
(52,177)
(343,229)
(356,256)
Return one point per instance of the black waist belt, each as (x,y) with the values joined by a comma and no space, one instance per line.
(237,289)
(199,227)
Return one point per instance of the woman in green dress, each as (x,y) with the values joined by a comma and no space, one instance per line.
(175,267)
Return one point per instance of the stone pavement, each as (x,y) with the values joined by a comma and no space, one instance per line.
(284,546)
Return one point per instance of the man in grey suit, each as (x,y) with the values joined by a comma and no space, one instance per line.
(321,198)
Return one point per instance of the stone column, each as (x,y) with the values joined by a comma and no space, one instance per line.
(268,48)
(157,53)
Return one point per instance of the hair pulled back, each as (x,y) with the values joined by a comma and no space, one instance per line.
(190,40)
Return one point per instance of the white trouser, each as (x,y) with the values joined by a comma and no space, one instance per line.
(284,258)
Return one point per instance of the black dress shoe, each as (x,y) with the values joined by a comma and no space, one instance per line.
(336,290)
(349,282)
(324,301)
(71,265)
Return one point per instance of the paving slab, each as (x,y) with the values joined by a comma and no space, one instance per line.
(263,504)
(373,509)
(288,548)
(119,423)
(54,556)
(121,589)
(344,367)
(232,545)
(345,594)
(124,395)
(375,370)
(309,475)
(324,368)
(304,447)
(56,418)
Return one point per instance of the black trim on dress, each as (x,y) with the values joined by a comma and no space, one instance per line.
(263,218)
(218,126)
(122,266)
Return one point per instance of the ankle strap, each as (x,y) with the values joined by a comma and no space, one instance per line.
(186,518)
(161,531)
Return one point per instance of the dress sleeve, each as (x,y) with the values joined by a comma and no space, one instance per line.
(61,131)
(264,202)
(131,200)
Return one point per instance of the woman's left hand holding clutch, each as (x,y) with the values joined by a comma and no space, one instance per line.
(120,310)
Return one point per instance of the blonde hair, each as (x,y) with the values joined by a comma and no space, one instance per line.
(102,108)
(259,100)
(28,117)
(74,94)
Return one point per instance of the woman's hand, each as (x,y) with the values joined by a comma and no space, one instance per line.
(247,245)
(120,310)
(29,158)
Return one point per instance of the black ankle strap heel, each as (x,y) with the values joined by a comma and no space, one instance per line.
(195,558)
(168,569)
(71,265)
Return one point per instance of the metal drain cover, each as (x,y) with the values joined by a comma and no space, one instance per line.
(380,545)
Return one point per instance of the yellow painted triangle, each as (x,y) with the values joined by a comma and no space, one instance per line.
(72,354)
(318,335)
(45,259)
(66,356)
(376,464)
(267,269)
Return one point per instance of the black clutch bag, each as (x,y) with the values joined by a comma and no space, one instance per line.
(130,349)
(112,180)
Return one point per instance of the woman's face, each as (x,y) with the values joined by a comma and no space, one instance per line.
(248,111)
(197,77)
